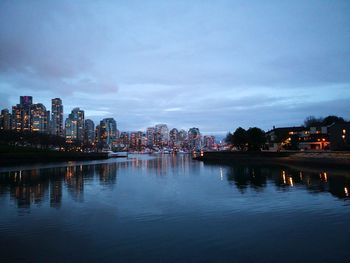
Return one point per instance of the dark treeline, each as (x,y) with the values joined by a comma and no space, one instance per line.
(312,121)
(37,140)
(252,139)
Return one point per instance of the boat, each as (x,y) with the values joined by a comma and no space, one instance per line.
(112,154)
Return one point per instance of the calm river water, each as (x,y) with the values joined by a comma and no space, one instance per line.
(172,209)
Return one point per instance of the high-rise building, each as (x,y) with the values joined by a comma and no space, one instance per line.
(89,132)
(173,137)
(26,103)
(5,120)
(57,117)
(39,118)
(150,134)
(97,135)
(124,139)
(16,118)
(21,114)
(194,139)
(208,142)
(161,134)
(75,125)
(26,100)
(136,140)
(108,132)
(182,136)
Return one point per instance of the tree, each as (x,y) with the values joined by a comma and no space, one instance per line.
(240,138)
(256,139)
(312,121)
(332,119)
(229,138)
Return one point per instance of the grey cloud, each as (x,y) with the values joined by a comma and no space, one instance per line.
(222,63)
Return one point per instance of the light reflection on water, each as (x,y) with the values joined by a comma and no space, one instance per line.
(170,208)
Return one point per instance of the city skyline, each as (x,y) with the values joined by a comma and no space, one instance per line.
(78,131)
(215,66)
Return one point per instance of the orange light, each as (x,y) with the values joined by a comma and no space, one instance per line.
(291,181)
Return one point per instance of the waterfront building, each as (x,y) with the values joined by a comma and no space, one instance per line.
(182,136)
(89,132)
(161,135)
(144,140)
(124,139)
(136,140)
(150,134)
(298,138)
(75,126)
(40,118)
(5,120)
(194,139)
(97,134)
(26,103)
(339,136)
(16,118)
(108,132)
(21,114)
(57,117)
(208,142)
(173,137)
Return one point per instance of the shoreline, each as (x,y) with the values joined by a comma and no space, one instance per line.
(13,158)
(320,160)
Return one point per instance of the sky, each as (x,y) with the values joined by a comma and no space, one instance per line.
(215,65)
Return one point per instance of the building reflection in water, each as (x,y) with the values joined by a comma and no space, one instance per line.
(162,165)
(107,174)
(30,187)
(255,177)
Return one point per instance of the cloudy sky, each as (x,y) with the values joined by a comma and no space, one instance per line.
(215,65)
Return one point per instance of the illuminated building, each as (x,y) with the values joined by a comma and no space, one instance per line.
(25,105)
(173,137)
(136,140)
(16,118)
(194,139)
(21,114)
(161,135)
(182,136)
(57,117)
(5,120)
(208,142)
(75,126)
(124,139)
(108,132)
(39,118)
(89,132)
(150,134)
(97,134)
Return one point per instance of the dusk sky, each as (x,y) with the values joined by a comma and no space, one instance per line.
(215,65)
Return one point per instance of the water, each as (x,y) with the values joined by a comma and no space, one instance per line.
(172,209)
